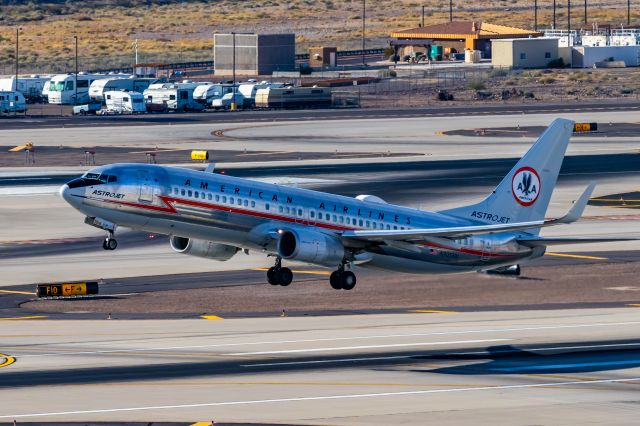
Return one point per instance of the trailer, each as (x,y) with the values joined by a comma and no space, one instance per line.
(121,102)
(206,93)
(132,84)
(249,90)
(12,102)
(176,96)
(30,86)
(293,97)
(62,87)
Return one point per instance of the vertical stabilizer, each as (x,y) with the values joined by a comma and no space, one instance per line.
(525,192)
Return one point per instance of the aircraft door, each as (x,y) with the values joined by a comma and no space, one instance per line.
(145,183)
(487,249)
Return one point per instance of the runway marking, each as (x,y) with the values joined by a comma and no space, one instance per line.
(325,398)
(8,360)
(17,292)
(211,317)
(631,206)
(23,318)
(575,365)
(202,424)
(554,348)
(347,348)
(633,305)
(300,271)
(431,311)
(334,339)
(576,256)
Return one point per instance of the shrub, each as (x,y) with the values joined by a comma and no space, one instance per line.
(477,85)
(547,80)
(498,72)
(556,63)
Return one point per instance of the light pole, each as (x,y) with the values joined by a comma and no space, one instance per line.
(233,100)
(364,15)
(628,12)
(450,10)
(585,11)
(135,48)
(535,15)
(554,14)
(422,19)
(17,52)
(75,83)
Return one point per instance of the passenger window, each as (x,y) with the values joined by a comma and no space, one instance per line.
(217,197)
(368,224)
(300,212)
(348,221)
(224,199)
(335,218)
(253,204)
(288,210)
(203,195)
(375,225)
(246,203)
(266,206)
(360,222)
(197,194)
(327,216)
(388,226)
(175,191)
(190,193)
(209,196)
(280,209)
(312,214)
(182,191)
(231,200)
(239,201)
(341,219)
(395,227)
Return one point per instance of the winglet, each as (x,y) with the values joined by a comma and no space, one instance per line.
(578,207)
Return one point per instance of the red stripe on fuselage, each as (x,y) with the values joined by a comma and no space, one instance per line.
(171,209)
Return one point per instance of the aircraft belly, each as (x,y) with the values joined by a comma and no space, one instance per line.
(412,266)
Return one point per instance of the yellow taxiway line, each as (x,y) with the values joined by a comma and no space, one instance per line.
(431,311)
(8,360)
(23,318)
(211,317)
(30,293)
(575,256)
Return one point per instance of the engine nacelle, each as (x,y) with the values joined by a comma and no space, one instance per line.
(310,246)
(202,248)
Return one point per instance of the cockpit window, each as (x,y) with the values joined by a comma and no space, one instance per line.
(91,179)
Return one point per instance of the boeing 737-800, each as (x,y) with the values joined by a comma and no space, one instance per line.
(214,216)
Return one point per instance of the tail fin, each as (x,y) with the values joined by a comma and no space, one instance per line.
(525,192)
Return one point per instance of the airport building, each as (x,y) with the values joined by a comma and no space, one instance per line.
(524,52)
(253,54)
(456,36)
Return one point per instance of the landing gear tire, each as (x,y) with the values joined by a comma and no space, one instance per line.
(271,276)
(348,280)
(284,276)
(342,280)
(109,244)
(335,280)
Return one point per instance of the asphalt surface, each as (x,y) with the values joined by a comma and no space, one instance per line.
(483,368)
(390,180)
(320,114)
(605,130)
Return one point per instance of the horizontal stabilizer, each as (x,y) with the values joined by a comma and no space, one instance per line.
(543,242)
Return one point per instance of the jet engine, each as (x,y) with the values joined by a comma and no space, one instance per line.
(310,246)
(202,248)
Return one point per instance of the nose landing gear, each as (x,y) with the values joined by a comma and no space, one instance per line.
(110,242)
(279,275)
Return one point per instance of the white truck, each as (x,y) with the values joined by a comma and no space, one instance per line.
(12,102)
(121,102)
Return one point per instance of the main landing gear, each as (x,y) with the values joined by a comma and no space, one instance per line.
(278,275)
(342,280)
(110,242)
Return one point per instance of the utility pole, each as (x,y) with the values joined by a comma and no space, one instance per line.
(135,48)
(364,15)
(535,15)
(450,10)
(585,12)
(554,14)
(233,101)
(17,51)
(422,20)
(628,13)
(75,101)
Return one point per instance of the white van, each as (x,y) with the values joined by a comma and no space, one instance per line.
(12,102)
(121,102)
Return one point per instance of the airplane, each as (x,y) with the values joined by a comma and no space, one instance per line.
(214,216)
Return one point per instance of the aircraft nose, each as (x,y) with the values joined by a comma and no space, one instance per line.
(65,193)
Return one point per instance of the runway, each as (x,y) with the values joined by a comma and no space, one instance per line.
(542,367)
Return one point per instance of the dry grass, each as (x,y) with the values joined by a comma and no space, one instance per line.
(169,30)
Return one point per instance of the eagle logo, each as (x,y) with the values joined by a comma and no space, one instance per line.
(526,186)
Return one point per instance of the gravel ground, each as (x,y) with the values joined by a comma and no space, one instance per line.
(539,287)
